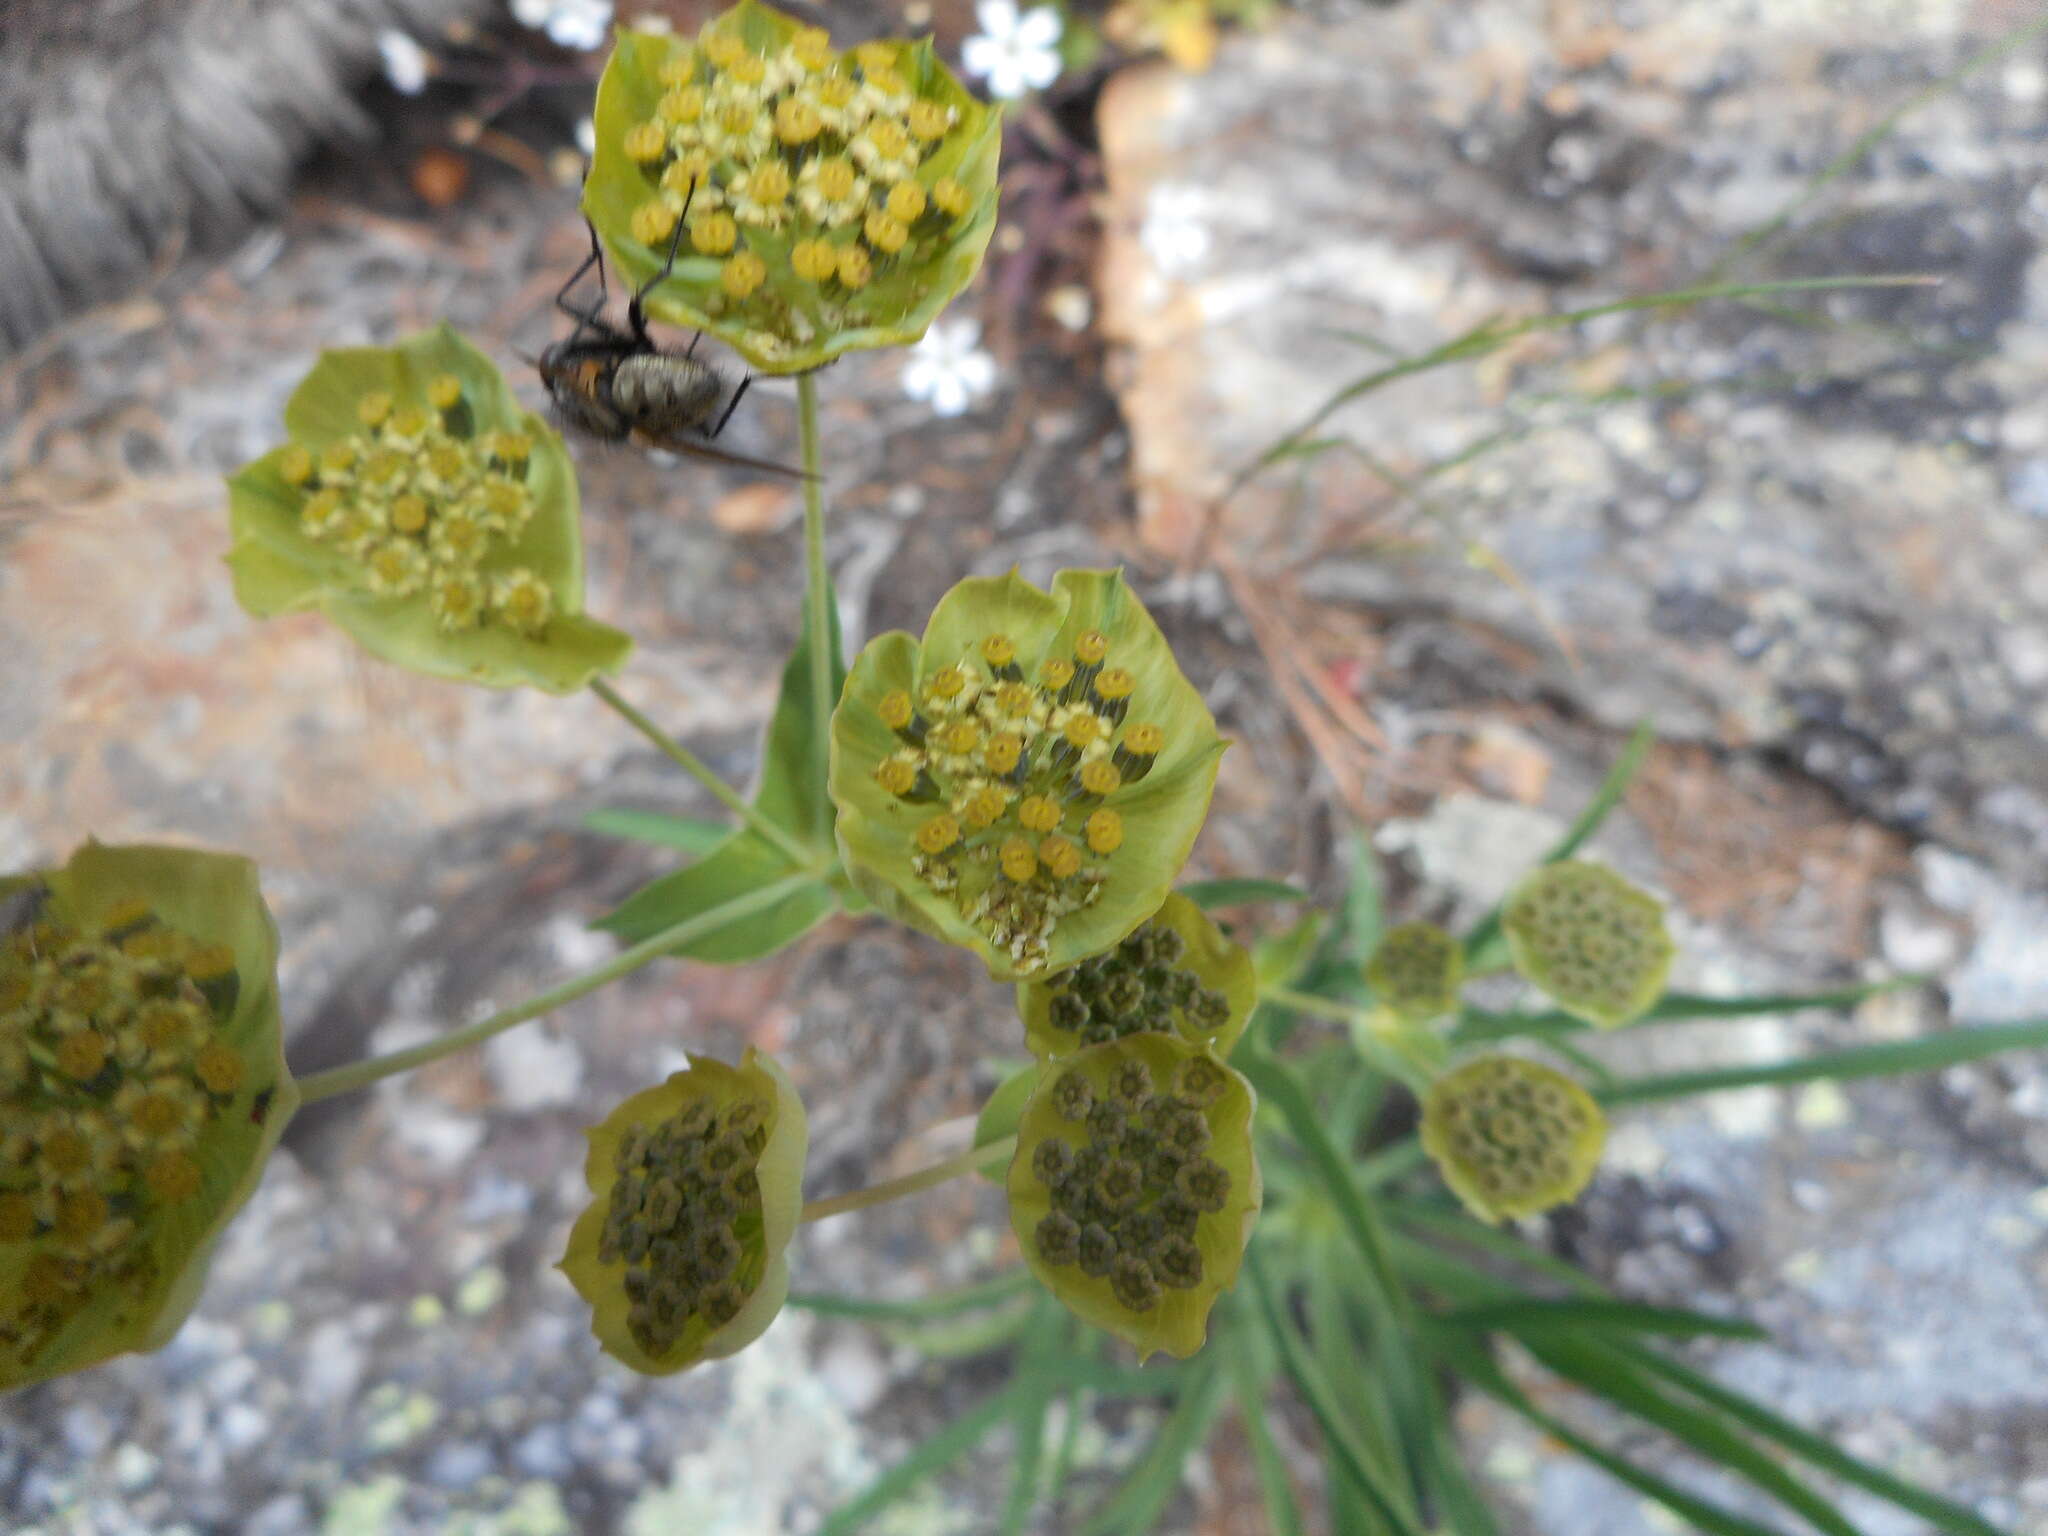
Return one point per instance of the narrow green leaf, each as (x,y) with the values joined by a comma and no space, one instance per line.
(1477,1025)
(1315,1392)
(1471,1360)
(1605,1373)
(930,1457)
(1211,894)
(1533,1317)
(1945,1515)
(1276,1486)
(1969,1043)
(1482,938)
(1029,1428)
(688,833)
(1142,1498)
(999,1116)
(967,1298)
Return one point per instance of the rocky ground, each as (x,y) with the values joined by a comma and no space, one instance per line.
(1808,538)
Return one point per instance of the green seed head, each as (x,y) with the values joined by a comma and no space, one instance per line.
(1512,1137)
(1417,971)
(1593,941)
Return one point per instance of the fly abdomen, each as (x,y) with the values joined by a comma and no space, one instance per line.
(662,394)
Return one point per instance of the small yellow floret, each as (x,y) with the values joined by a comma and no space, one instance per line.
(1105,831)
(887,235)
(221,1070)
(1059,856)
(81,1214)
(906,202)
(654,221)
(714,234)
(1091,647)
(1081,729)
(173,1177)
(898,775)
(210,962)
(1101,777)
(811,47)
(409,513)
(679,68)
(950,197)
(1115,683)
(930,119)
(854,267)
(947,683)
(1018,859)
(1058,672)
(998,650)
(836,178)
(894,709)
(1038,813)
(679,108)
(337,458)
(295,464)
(985,806)
(646,143)
(742,273)
(373,408)
(875,55)
(813,260)
(1144,740)
(938,834)
(81,1054)
(444,392)
(723,50)
(958,737)
(1002,750)
(797,121)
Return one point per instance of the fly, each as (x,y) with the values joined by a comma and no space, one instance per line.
(619,387)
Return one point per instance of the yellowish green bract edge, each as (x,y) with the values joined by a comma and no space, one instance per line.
(1162,813)
(278,569)
(1180,1322)
(628,93)
(1216,961)
(215,899)
(779,1171)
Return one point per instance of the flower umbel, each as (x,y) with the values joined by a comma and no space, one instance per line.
(1512,1137)
(1593,941)
(427,515)
(1175,972)
(1134,1187)
(696,1187)
(142,1084)
(833,200)
(1028,779)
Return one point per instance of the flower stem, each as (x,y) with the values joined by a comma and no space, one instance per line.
(1409,1055)
(1305,1002)
(360,1074)
(696,768)
(910,1183)
(817,584)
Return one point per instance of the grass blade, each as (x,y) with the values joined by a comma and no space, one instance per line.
(1478,1025)
(1945,1515)
(1210,894)
(1322,1404)
(1276,1487)
(931,1457)
(1533,1317)
(1136,1505)
(1969,1043)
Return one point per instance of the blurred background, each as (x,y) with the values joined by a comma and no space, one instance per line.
(1806,536)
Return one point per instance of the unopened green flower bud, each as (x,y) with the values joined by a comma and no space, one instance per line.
(1416,972)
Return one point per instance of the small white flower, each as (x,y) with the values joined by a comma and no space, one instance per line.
(1017,53)
(1174,233)
(586,138)
(949,367)
(405,61)
(578,24)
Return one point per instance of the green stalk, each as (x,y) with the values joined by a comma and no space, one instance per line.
(696,768)
(970,1161)
(817,581)
(360,1074)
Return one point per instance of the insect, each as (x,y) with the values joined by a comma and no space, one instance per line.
(617,386)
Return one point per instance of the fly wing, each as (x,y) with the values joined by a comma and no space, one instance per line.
(697,448)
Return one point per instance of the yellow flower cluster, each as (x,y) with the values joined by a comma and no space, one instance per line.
(823,154)
(421,501)
(111,1065)
(1022,776)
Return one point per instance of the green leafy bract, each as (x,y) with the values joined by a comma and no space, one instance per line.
(280,566)
(1512,1137)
